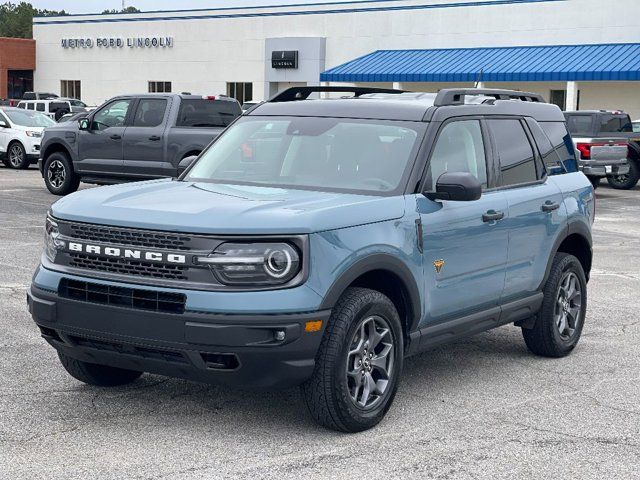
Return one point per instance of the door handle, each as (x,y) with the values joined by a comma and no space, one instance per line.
(155,138)
(550,206)
(115,136)
(492,216)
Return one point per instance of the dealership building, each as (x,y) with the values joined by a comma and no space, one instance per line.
(577,53)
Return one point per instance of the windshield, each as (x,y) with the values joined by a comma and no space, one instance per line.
(315,153)
(26,118)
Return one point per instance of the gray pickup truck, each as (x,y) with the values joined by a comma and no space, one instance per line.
(132,137)
(607,145)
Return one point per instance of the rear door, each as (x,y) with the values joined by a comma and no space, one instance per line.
(100,147)
(536,212)
(144,139)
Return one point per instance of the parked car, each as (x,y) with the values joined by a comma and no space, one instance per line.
(636,126)
(55,109)
(132,137)
(247,105)
(72,117)
(38,96)
(607,145)
(320,242)
(20,135)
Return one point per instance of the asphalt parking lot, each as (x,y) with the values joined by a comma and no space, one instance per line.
(481,408)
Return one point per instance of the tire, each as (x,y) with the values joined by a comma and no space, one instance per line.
(16,156)
(59,114)
(550,335)
(336,399)
(97,375)
(628,181)
(595,181)
(58,174)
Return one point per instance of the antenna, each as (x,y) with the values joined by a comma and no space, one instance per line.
(123,5)
(479,78)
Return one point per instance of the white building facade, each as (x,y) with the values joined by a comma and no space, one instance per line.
(253,52)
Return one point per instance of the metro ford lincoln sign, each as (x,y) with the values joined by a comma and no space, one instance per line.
(118,42)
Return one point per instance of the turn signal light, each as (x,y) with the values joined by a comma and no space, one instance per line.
(313,326)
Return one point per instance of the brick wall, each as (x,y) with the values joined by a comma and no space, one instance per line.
(15,54)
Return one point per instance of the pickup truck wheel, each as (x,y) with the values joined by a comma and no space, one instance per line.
(59,176)
(98,375)
(595,181)
(358,365)
(559,323)
(16,156)
(628,181)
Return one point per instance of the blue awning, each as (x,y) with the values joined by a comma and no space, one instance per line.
(500,64)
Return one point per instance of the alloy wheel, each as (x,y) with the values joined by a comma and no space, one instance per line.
(370,364)
(56,174)
(568,306)
(16,156)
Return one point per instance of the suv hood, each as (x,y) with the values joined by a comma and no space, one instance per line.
(224,209)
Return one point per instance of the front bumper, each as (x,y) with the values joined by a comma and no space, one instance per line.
(240,350)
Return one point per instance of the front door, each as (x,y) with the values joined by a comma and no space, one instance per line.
(100,147)
(465,243)
(144,140)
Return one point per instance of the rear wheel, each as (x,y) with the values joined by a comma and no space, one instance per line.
(559,323)
(358,364)
(628,181)
(59,176)
(16,156)
(98,375)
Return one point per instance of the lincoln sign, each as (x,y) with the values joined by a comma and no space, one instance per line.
(117,42)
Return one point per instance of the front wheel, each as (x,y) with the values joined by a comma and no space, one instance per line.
(559,323)
(59,176)
(628,181)
(16,156)
(359,363)
(97,375)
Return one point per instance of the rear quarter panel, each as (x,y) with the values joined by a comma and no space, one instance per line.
(181,141)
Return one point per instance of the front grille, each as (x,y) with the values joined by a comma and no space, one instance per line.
(128,267)
(134,238)
(122,297)
(171,356)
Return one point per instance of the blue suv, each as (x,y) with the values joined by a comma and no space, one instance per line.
(319,242)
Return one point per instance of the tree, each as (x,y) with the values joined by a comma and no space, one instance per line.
(124,10)
(16,20)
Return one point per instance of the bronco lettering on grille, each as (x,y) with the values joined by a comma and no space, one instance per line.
(127,253)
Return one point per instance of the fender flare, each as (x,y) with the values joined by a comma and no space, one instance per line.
(378,261)
(575,227)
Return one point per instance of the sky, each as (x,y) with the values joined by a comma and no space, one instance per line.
(93,6)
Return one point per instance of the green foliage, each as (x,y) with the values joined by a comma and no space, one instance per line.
(16,19)
(126,10)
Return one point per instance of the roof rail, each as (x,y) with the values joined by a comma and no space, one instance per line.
(302,93)
(455,96)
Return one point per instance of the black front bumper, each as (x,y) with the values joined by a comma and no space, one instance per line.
(240,350)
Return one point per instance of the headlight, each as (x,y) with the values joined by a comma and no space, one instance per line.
(31,133)
(254,263)
(52,243)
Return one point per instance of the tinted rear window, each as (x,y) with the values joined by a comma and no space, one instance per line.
(615,124)
(562,146)
(579,124)
(517,159)
(207,113)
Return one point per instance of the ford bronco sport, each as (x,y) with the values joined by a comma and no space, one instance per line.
(320,242)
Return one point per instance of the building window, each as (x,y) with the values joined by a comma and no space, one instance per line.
(559,98)
(241,91)
(70,89)
(159,87)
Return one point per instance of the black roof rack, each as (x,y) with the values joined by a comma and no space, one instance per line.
(302,93)
(455,96)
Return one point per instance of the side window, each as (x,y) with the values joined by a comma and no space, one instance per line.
(29,106)
(459,148)
(562,143)
(111,115)
(40,107)
(517,160)
(21,105)
(150,112)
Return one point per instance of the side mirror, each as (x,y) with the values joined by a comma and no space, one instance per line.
(458,186)
(186,163)
(3,124)
(83,124)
